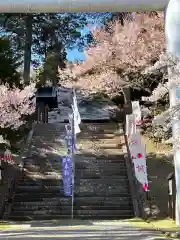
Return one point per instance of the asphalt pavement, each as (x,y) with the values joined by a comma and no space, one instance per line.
(88,230)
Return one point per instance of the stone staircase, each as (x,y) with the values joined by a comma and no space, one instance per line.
(101,182)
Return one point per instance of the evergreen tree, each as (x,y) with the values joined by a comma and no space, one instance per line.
(36,33)
(9,64)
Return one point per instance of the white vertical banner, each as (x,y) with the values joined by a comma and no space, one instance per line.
(130,125)
(76,114)
(138,157)
(8,156)
(136,112)
(134,143)
(76,125)
(136,149)
(76,111)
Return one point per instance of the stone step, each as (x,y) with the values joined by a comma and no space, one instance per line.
(16,218)
(40,189)
(104,173)
(105,167)
(104,133)
(101,183)
(120,180)
(24,198)
(99,173)
(106,137)
(107,192)
(96,187)
(84,131)
(123,215)
(39,182)
(90,127)
(48,207)
(119,160)
(79,161)
(31,160)
(100,137)
(45,171)
(48,128)
(59,208)
(78,165)
(59,125)
(83,201)
(98,126)
(101,159)
(66,201)
(56,212)
(80,185)
(100,133)
(101,145)
(81,170)
(99,201)
(38,196)
(100,151)
(36,175)
(92,188)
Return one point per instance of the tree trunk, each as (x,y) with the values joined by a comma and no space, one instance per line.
(127,100)
(27,49)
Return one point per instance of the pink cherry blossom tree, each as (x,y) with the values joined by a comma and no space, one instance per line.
(14,104)
(119,51)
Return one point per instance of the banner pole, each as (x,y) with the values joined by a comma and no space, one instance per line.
(73,167)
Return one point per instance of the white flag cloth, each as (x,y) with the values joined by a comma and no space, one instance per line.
(138,156)
(130,125)
(76,111)
(140,169)
(76,125)
(7,156)
(135,146)
(136,112)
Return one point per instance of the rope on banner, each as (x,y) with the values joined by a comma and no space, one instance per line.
(73,166)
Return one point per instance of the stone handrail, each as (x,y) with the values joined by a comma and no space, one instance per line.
(11,175)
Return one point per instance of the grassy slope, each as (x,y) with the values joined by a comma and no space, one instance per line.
(160,164)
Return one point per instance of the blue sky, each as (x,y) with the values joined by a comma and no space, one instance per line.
(74,54)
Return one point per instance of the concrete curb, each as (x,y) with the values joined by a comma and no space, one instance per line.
(14,226)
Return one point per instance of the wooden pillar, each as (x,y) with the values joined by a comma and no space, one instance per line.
(127,100)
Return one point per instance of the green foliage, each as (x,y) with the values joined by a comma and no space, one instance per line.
(45,27)
(9,64)
(44,34)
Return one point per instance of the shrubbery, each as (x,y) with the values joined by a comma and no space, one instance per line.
(15,99)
